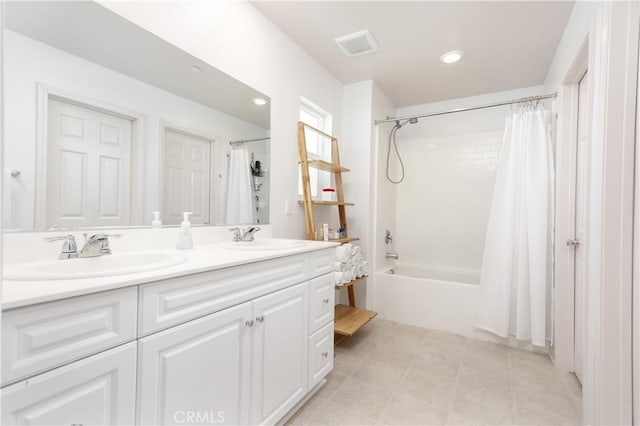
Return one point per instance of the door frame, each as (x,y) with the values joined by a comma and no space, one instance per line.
(44,94)
(214,191)
(636,268)
(566,169)
(608,387)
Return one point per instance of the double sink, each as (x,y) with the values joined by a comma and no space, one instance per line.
(126,263)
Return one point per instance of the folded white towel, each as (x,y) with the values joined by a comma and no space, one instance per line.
(344,253)
(357,259)
(365,268)
(356,250)
(341,278)
(339,266)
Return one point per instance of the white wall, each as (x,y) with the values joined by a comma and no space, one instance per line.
(237,39)
(29,62)
(355,154)
(442,206)
(384,194)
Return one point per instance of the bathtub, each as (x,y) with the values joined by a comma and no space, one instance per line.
(429,297)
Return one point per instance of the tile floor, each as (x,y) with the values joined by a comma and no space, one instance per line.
(395,374)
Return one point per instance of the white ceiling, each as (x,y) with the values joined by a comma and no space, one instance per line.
(507,44)
(90,31)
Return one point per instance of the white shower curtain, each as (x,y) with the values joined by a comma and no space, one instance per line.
(239,205)
(513,281)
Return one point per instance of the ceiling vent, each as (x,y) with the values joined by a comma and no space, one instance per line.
(356,44)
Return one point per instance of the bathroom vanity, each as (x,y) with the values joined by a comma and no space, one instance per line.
(225,337)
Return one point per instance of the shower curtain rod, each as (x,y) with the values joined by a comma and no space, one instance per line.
(248,140)
(515,101)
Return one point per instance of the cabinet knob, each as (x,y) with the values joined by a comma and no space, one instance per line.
(249,323)
(325,354)
(260,318)
(325,300)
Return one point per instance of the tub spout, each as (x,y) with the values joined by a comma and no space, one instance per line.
(388,255)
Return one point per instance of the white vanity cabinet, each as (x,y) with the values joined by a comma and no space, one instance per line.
(237,345)
(98,390)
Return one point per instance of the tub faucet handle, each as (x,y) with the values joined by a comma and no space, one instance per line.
(388,255)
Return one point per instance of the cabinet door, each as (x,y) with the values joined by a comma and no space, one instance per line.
(280,353)
(321,301)
(197,372)
(98,390)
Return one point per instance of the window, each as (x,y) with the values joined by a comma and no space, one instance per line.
(318,147)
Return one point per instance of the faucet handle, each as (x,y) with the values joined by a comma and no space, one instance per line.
(105,247)
(69,248)
(236,234)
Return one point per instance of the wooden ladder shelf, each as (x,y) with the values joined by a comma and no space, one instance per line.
(348,319)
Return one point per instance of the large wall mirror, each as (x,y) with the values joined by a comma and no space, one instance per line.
(106,123)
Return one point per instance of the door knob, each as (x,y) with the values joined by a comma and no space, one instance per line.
(249,323)
(325,354)
(260,318)
(572,242)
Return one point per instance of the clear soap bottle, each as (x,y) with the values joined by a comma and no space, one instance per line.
(185,238)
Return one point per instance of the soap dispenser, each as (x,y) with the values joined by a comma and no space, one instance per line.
(156,223)
(185,239)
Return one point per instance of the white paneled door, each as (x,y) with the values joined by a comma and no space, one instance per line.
(580,224)
(187,177)
(88,167)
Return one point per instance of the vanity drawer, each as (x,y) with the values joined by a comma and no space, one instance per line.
(41,337)
(320,355)
(321,301)
(171,302)
(321,262)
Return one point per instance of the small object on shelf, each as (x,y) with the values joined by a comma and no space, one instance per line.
(325,231)
(328,194)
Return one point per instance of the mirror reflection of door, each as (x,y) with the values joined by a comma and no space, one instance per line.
(88,167)
(580,223)
(187,177)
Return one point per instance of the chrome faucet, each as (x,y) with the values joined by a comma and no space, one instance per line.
(388,255)
(69,248)
(246,235)
(97,245)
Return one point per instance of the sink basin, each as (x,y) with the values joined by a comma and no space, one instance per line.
(91,267)
(267,244)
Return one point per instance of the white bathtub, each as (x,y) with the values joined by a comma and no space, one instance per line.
(429,297)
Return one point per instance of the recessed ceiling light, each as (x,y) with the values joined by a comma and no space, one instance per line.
(194,68)
(452,56)
(259,101)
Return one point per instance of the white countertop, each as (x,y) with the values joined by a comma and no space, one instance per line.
(202,258)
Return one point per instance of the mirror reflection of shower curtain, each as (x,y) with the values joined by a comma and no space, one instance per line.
(239,207)
(513,281)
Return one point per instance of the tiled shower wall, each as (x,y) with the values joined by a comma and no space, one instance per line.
(443,204)
(442,207)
